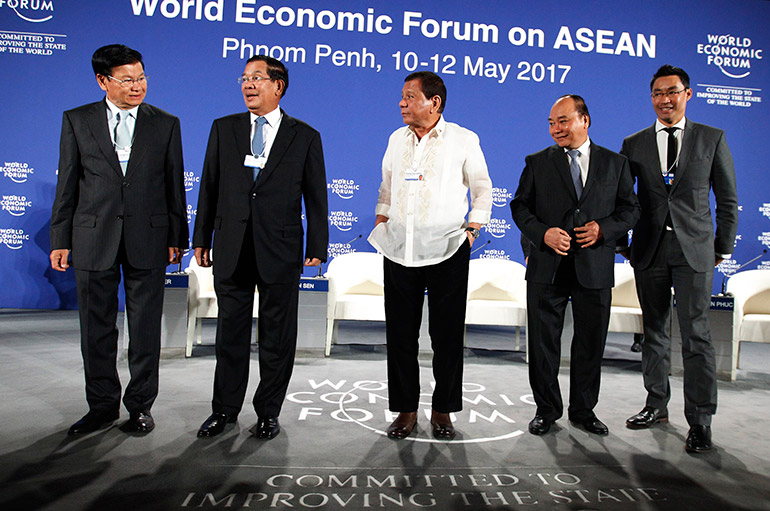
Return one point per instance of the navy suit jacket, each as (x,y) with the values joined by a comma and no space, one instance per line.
(705,163)
(546,198)
(229,196)
(96,205)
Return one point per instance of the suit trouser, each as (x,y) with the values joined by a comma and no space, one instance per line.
(693,297)
(98,309)
(276,330)
(546,304)
(447,285)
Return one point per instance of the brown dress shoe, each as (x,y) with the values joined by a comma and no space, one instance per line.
(403,425)
(442,426)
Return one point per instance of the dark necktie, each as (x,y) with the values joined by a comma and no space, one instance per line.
(671,153)
(574,170)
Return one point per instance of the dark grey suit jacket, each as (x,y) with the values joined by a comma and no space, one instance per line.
(294,173)
(546,198)
(705,163)
(96,205)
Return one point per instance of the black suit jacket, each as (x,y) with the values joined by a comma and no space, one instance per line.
(229,196)
(546,198)
(705,163)
(96,204)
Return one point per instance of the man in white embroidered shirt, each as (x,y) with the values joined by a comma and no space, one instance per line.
(428,170)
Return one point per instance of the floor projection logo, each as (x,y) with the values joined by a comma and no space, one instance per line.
(487,415)
(733,55)
(34,11)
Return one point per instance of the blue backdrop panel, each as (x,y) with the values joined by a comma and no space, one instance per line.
(504,63)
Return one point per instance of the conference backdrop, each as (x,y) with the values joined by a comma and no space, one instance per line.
(504,64)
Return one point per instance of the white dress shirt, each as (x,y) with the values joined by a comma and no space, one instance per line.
(662,139)
(112,120)
(269,129)
(426,214)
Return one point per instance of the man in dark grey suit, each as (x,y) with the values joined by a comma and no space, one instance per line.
(120,204)
(574,200)
(260,166)
(675,163)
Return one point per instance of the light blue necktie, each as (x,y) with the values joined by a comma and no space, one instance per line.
(122,136)
(574,170)
(258,142)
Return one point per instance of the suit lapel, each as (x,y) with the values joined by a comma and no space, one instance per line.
(688,141)
(283,138)
(144,130)
(593,169)
(242,136)
(100,130)
(560,161)
(652,159)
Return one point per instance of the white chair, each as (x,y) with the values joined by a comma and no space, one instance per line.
(625,313)
(202,301)
(497,294)
(355,291)
(751,313)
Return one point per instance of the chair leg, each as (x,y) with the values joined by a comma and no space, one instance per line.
(190,334)
(518,339)
(199,328)
(330,327)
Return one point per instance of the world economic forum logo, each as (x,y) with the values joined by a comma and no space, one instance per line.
(16,171)
(34,11)
(343,188)
(733,55)
(16,205)
(497,227)
(190,179)
(342,220)
(13,238)
(501,197)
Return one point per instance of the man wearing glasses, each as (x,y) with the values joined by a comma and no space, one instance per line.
(260,166)
(675,163)
(120,206)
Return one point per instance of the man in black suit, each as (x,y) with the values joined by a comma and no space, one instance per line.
(574,200)
(675,163)
(120,205)
(260,166)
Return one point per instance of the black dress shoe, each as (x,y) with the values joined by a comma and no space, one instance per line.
(92,421)
(442,426)
(539,425)
(216,423)
(267,427)
(698,439)
(403,426)
(646,418)
(594,425)
(139,422)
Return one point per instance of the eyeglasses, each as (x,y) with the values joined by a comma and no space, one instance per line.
(247,79)
(668,94)
(129,82)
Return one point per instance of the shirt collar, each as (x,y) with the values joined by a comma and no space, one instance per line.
(438,129)
(583,147)
(272,118)
(114,109)
(660,126)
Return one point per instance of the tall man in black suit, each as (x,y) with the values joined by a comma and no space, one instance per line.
(676,162)
(260,166)
(120,204)
(574,200)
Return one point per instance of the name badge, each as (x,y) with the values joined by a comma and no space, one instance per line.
(257,162)
(124,154)
(413,174)
(668,178)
